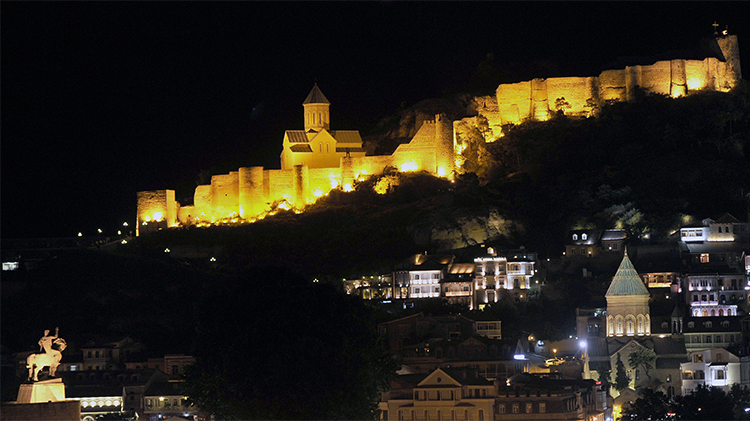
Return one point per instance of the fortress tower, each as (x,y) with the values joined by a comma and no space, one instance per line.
(627,303)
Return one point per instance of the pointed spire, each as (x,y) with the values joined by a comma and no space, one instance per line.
(316,97)
(626,281)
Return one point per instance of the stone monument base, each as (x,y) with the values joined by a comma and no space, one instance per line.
(50,411)
(52,390)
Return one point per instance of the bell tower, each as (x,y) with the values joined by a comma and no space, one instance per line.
(317,114)
(627,303)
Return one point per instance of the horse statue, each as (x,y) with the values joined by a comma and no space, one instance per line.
(49,358)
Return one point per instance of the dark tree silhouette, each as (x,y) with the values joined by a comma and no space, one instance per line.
(278,347)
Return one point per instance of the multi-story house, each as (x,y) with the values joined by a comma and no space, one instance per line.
(713,367)
(163,400)
(419,276)
(706,332)
(526,396)
(503,275)
(725,228)
(463,395)
(370,288)
(443,394)
(593,242)
(715,294)
(109,353)
(719,243)
(458,285)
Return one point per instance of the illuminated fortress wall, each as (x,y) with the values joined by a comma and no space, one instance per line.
(158,209)
(538,98)
(249,192)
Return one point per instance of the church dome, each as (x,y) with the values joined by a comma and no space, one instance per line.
(627,281)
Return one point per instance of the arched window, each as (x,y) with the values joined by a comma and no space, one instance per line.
(639,328)
(575,237)
(584,236)
(618,325)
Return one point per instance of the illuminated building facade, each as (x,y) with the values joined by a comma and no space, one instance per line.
(714,367)
(710,295)
(314,161)
(726,228)
(503,276)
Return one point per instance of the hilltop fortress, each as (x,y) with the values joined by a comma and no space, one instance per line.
(316,160)
(716,67)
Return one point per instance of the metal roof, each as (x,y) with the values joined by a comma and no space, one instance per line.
(592,237)
(297,136)
(346,136)
(300,148)
(627,281)
(316,97)
(614,234)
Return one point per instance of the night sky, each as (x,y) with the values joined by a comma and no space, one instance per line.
(101,100)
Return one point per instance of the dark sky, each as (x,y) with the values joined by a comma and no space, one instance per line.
(104,99)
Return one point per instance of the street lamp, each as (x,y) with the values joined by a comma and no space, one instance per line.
(554,351)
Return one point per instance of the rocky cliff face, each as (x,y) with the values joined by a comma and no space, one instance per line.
(462,228)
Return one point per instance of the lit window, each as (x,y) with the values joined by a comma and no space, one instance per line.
(697,358)
(529,405)
(542,407)
(584,237)
(575,237)
(704,257)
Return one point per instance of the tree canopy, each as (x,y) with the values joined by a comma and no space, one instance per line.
(274,346)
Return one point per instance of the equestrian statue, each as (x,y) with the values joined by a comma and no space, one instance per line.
(52,347)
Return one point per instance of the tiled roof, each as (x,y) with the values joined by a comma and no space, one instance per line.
(626,281)
(597,347)
(297,136)
(701,324)
(669,346)
(592,237)
(316,97)
(300,148)
(612,235)
(726,219)
(346,136)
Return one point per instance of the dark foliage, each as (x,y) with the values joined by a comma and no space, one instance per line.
(274,346)
(621,377)
(705,403)
(651,405)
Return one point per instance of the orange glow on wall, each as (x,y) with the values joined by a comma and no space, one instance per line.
(409,166)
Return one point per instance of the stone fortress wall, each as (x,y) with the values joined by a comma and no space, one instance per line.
(251,192)
(537,99)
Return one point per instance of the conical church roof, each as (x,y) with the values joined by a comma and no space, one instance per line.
(627,281)
(316,97)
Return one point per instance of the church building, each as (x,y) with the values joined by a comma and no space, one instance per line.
(314,161)
(627,303)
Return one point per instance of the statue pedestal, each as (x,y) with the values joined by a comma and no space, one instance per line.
(52,390)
